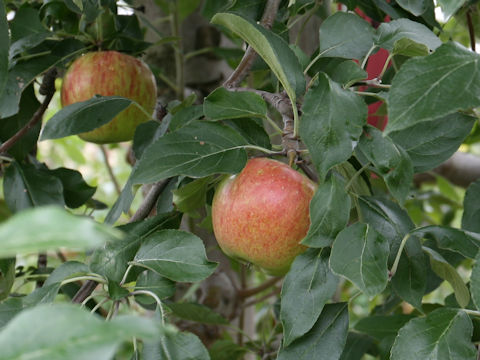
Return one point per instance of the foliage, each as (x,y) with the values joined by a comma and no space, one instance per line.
(391,269)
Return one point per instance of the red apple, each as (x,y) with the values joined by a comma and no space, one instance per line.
(262,214)
(111,73)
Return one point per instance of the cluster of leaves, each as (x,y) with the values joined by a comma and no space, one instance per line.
(361,230)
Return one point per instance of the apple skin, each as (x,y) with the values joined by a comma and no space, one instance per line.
(111,73)
(262,214)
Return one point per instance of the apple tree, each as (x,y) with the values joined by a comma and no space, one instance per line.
(371,100)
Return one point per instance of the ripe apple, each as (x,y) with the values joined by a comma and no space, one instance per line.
(111,73)
(262,214)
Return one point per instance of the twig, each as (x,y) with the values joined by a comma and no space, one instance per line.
(274,292)
(149,201)
(110,170)
(289,140)
(245,293)
(471,29)
(47,89)
(236,77)
(85,290)
(310,174)
(280,102)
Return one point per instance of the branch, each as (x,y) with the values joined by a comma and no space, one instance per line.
(48,89)
(236,77)
(149,201)
(280,102)
(461,169)
(85,291)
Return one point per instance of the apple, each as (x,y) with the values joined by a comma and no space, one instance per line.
(111,73)
(262,214)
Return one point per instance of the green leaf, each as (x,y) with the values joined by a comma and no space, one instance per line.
(329,213)
(76,191)
(382,326)
(7,276)
(273,50)
(25,72)
(190,197)
(307,287)
(252,130)
(226,350)
(462,242)
(124,201)
(347,72)
(407,47)
(27,31)
(346,35)
(393,223)
(416,7)
(197,312)
(26,186)
(145,134)
(450,7)
(48,228)
(12,306)
(196,150)
(84,116)
(176,255)
(447,272)
(66,270)
(430,143)
(331,123)
(11,125)
(325,341)
(442,334)
(471,208)
(389,33)
(112,260)
(410,280)
(176,346)
(360,254)
(8,309)
(222,104)
(4,48)
(185,115)
(47,332)
(151,281)
(357,345)
(475,282)
(427,88)
(391,161)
